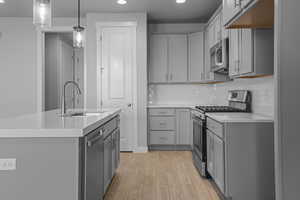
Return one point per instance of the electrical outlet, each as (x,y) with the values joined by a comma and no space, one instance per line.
(8,164)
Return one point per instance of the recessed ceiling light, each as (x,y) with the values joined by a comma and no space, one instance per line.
(122,2)
(180,1)
(2,1)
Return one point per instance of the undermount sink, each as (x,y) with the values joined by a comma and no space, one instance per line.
(83,114)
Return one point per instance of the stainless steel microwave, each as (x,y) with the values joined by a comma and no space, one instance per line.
(219,55)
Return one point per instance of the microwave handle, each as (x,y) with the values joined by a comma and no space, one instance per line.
(216,60)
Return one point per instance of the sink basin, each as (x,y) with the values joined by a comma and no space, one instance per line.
(83,114)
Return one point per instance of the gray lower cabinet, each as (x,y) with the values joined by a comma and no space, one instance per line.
(215,159)
(169,129)
(219,164)
(94,165)
(240,159)
(107,162)
(111,157)
(210,153)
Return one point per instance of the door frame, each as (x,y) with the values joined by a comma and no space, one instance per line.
(40,62)
(133,25)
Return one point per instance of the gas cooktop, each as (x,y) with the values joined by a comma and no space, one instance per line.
(218,109)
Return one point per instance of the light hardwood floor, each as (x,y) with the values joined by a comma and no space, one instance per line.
(158,175)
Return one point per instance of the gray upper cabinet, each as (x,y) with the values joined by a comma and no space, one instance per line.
(183,122)
(168,58)
(158,62)
(230,9)
(178,58)
(251,52)
(196,57)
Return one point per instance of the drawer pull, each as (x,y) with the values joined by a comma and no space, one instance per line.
(162,123)
(163,138)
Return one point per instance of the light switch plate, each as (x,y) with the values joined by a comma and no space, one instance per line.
(8,164)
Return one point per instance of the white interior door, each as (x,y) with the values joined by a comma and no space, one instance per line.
(117,45)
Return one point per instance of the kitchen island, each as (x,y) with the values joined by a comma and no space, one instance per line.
(47,156)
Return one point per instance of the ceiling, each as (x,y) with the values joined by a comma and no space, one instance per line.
(158,10)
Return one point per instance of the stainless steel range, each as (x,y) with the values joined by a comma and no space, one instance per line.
(239,101)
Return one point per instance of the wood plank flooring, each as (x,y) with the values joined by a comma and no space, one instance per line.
(158,175)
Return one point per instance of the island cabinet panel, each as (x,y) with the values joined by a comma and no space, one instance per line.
(46,168)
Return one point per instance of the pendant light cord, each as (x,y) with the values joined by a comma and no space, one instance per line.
(78,10)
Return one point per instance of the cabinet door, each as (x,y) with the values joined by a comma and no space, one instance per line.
(207,56)
(158,61)
(217,29)
(107,162)
(117,148)
(113,154)
(230,9)
(210,152)
(178,58)
(211,36)
(196,57)
(234,49)
(183,131)
(94,166)
(246,51)
(219,167)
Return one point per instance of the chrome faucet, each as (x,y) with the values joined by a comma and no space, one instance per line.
(63,101)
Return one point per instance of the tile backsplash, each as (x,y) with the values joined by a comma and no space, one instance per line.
(215,94)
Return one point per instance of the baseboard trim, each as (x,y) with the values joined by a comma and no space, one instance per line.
(140,150)
(170,148)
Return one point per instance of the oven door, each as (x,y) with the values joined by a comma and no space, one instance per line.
(199,138)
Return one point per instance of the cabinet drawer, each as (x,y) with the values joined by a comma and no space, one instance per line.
(161,112)
(162,123)
(110,126)
(162,137)
(215,127)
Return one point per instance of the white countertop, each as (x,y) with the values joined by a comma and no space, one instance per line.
(170,106)
(51,124)
(239,117)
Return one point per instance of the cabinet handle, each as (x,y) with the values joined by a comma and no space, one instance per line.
(171,77)
(237,3)
(167,77)
(162,123)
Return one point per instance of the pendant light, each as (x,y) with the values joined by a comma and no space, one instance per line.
(78,32)
(42,13)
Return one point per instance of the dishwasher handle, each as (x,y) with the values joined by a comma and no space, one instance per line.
(92,141)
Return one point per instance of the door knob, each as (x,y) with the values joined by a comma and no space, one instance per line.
(129,105)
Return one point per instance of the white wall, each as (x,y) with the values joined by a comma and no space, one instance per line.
(18,69)
(141,48)
(215,94)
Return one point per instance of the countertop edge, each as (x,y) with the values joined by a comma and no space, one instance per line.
(55,133)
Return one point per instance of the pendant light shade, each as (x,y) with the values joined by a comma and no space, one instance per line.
(78,37)
(42,13)
(78,31)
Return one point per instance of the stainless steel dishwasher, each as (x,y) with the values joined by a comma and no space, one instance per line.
(94,155)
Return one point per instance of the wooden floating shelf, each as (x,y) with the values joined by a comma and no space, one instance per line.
(259,15)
